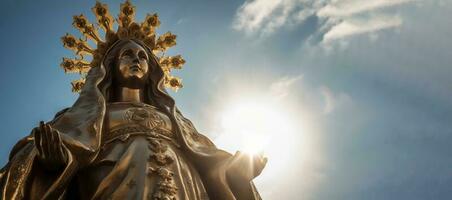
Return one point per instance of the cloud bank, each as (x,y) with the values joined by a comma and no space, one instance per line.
(338,19)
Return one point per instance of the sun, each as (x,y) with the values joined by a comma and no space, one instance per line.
(259,125)
(251,123)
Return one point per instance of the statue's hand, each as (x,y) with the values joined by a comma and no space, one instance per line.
(50,148)
(246,166)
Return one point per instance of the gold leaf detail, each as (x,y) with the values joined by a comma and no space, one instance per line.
(126,14)
(103,16)
(79,46)
(88,30)
(75,66)
(77,85)
(150,24)
(175,83)
(171,62)
(165,41)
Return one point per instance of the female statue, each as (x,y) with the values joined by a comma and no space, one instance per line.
(124,138)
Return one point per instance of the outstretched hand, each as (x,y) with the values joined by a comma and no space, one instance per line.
(246,166)
(49,146)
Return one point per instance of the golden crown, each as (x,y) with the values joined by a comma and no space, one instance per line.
(127,29)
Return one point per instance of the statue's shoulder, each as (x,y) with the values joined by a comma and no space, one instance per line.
(61,112)
(189,129)
(185,122)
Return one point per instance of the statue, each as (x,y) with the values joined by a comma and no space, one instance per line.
(124,138)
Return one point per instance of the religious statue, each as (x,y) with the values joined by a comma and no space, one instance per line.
(124,138)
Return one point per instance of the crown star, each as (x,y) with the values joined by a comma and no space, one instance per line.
(127,29)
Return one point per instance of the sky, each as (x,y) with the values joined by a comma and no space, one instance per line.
(349,99)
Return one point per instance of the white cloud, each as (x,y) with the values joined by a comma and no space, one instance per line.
(281,88)
(348,28)
(338,18)
(343,8)
(263,15)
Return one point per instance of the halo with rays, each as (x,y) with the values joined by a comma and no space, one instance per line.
(127,29)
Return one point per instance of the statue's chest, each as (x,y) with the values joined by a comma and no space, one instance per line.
(129,118)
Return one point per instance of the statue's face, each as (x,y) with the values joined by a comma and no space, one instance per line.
(132,65)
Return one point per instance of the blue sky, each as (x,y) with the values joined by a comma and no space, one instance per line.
(361,89)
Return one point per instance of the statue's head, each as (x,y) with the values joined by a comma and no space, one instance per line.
(131,65)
